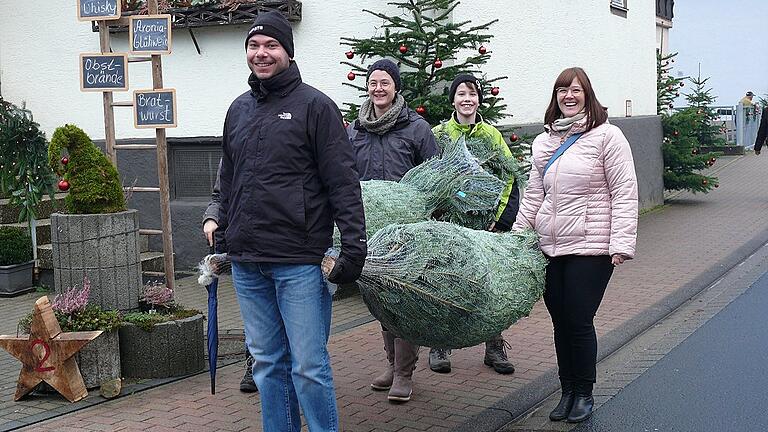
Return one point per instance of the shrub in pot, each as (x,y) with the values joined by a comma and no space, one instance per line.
(97,236)
(15,261)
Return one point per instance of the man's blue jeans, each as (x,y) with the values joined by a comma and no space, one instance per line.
(286,310)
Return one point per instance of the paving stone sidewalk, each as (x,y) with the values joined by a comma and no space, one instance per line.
(689,242)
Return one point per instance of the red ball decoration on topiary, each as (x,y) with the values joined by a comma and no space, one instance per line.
(705,182)
(64,160)
(403,49)
(438,63)
(421,110)
(351,76)
(63,185)
(514,137)
(482,49)
(495,91)
(350,54)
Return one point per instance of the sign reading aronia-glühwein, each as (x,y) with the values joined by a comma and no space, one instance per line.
(154,108)
(150,34)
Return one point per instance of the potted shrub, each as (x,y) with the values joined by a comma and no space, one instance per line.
(99,361)
(163,339)
(15,262)
(96,236)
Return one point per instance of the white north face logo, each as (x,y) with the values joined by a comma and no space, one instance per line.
(285,116)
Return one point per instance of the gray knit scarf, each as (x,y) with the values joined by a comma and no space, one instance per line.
(565,123)
(383,124)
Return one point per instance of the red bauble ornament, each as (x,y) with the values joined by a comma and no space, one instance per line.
(438,63)
(695,151)
(346,124)
(704,182)
(403,49)
(482,49)
(717,185)
(349,54)
(421,110)
(682,84)
(675,133)
(495,91)
(514,137)
(64,160)
(351,76)
(63,185)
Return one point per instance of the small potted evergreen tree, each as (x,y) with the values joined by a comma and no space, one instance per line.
(15,262)
(96,236)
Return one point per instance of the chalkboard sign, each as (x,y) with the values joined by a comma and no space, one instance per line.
(103,72)
(150,34)
(91,10)
(154,108)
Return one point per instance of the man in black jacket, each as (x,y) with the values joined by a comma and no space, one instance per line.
(762,132)
(287,173)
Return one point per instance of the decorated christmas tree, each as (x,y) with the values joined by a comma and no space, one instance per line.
(24,173)
(426,44)
(706,129)
(680,148)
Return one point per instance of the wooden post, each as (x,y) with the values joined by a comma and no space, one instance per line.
(162,169)
(109,113)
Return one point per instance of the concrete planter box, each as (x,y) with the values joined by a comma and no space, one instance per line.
(16,279)
(99,360)
(171,349)
(103,247)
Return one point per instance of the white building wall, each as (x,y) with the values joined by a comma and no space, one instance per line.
(40,42)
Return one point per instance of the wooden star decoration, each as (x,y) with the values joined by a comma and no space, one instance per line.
(47,354)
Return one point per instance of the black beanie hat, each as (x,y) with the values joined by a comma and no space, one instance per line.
(387,66)
(273,24)
(462,78)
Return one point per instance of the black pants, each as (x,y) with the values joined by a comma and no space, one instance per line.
(574,288)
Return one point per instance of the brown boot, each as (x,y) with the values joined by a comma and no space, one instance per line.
(406,355)
(496,356)
(384,381)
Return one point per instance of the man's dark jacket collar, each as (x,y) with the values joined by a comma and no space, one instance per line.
(281,84)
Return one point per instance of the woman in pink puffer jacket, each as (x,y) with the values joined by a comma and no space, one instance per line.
(583,205)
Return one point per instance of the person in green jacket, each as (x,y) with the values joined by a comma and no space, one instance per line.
(467,96)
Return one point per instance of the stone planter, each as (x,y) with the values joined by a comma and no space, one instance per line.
(16,279)
(171,349)
(99,360)
(103,247)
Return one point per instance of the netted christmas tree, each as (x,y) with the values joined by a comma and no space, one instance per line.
(24,173)
(426,44)
(681,147)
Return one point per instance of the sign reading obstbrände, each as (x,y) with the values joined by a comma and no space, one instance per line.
(154,108)
(91,10)
(103,72)
(150,34)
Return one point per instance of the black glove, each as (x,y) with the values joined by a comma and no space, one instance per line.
(346,270)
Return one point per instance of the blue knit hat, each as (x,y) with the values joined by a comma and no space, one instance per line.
(389,67)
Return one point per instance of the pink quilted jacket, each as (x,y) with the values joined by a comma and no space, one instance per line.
(586,204)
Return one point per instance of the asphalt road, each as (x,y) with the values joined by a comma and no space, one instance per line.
(715,380)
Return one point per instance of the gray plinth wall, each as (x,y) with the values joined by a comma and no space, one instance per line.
(171,349)
(103,247)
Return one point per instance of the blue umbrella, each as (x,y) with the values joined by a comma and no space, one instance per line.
(213,330)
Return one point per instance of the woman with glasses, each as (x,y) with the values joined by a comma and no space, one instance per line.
(389,139)
(582,201)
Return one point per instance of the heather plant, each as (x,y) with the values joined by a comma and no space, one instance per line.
(156,295)
(75,314)
(72,300)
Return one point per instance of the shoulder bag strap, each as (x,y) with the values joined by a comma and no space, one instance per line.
(569,142)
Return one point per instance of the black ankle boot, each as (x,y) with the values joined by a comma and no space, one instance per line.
(566,402)
(582,403)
